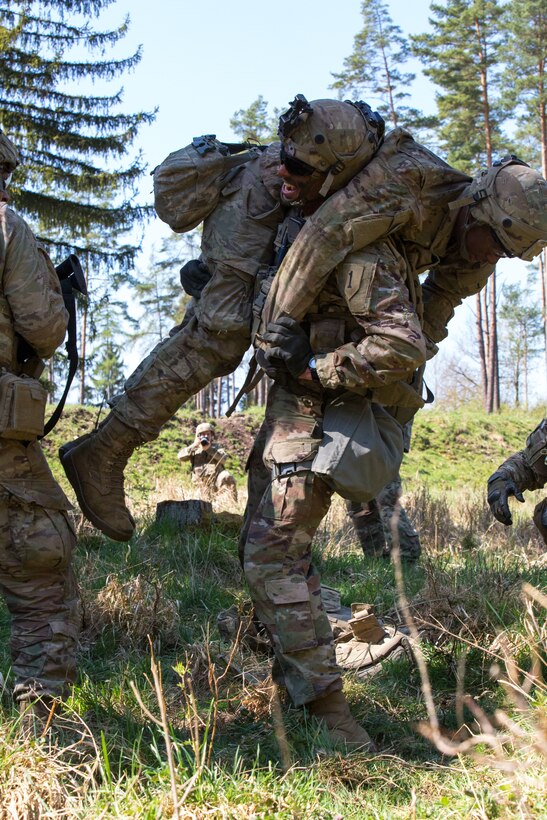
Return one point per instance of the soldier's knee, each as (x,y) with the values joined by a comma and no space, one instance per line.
(42,540)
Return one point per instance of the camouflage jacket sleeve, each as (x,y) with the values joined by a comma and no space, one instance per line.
(527,468)
(389,344)
(444,288)
(186,453)
(31,288)
(382,199)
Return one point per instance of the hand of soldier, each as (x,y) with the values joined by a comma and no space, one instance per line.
(271,365)
(500,488)
(194,275)
(289,344)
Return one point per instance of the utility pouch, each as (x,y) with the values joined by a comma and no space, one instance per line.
(22,407)
(361,450)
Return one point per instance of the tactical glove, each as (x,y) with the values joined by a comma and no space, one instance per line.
(289,346)
(194,275)
(273,367)
(500,487)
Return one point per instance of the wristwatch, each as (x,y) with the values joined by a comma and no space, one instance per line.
(312,364)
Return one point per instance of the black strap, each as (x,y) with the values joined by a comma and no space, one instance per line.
(72,352)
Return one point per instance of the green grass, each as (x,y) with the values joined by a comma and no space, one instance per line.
(162,592)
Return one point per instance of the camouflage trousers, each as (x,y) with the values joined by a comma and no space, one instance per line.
(286,588)
(176,370)
(41,593)
(377,523)
(278,532)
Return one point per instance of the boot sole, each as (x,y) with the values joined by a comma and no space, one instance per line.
(65,456)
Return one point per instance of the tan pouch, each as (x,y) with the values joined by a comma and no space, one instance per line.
(22,407)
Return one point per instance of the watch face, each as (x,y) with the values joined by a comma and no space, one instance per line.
(312,363)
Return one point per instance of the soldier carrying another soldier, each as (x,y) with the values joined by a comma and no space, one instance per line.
(345,326)
(207,460)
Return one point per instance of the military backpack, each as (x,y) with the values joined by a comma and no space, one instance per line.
(189,182)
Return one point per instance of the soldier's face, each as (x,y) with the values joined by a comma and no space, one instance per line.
(301,189)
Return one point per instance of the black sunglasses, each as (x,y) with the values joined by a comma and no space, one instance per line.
(295,166)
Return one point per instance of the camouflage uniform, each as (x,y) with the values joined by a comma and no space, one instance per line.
(37,538)
(208,471)
(366,306)
(237,239)
(403,194)
(526,470)
(388,225)
(377,522)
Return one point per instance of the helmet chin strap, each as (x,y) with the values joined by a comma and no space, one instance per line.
(325,187)
(463,230)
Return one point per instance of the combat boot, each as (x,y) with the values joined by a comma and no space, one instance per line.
(37,715)
(333,710)
(94,465)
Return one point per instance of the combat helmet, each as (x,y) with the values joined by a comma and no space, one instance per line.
(511,198)
(204,427)
(333,137)
(9,159)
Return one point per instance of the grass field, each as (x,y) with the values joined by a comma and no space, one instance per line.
(168,720)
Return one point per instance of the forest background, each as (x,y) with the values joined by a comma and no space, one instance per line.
(466,77)
(168,719)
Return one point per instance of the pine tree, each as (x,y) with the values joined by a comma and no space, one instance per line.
(255,123)
(522,331)
(158,289)
(373,69)
(71,182)
(106,361)
(463,57)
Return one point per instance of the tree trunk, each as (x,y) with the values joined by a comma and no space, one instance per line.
(219,397)
(481,345)
(493,395)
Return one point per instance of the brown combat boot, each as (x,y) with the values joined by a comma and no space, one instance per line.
(94,465)
(333,711)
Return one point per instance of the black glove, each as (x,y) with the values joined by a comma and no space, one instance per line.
(194,275)
(500,487)
(289,346)
(273,367)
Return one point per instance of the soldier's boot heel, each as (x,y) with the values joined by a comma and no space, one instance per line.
(94,464)
(333,710)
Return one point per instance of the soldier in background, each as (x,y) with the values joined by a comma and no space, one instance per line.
(36,536)
(207,461)
(525,470)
